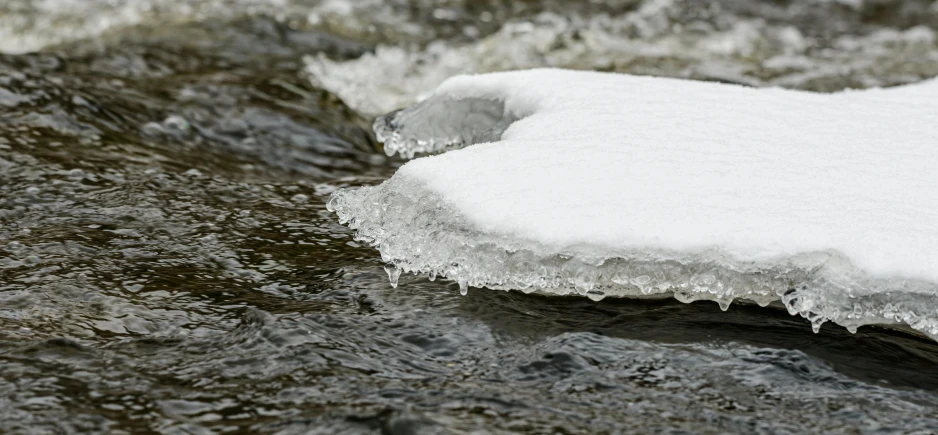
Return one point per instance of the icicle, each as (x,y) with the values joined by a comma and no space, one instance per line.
(816,324)
(596,296)
(725,302)
(394,273)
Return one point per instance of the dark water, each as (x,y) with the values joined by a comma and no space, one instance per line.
(167,263)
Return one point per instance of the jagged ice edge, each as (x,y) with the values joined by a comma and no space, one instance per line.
(417,232)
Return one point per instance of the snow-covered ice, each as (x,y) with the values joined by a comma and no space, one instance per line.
(608,184)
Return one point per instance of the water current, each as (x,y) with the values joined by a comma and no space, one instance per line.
(168,264)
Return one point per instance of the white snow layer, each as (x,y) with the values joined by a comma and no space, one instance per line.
(609,184)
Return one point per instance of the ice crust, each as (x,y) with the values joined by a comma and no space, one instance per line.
(618,185)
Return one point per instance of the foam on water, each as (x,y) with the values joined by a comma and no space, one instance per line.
(31,25)
(612,185)
(660,37)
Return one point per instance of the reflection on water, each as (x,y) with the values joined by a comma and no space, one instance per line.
(167,262)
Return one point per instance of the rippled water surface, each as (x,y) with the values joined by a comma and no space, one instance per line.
(167,262)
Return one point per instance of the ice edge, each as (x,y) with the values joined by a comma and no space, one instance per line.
(417,232)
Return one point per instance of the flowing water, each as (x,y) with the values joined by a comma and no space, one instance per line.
(167,262)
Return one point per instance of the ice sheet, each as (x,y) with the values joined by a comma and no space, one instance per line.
(826,201)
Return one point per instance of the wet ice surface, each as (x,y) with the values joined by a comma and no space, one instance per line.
(167,263)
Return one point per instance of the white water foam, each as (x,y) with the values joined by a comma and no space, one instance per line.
(656,38)
(31,25)
(617,185)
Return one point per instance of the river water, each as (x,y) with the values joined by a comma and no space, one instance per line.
(167,262)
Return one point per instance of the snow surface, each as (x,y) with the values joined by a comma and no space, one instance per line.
(835,190)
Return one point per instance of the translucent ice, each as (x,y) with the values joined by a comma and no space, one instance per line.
(616,185)
(441,124)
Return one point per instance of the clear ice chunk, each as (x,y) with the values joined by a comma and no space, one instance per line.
(442,124)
